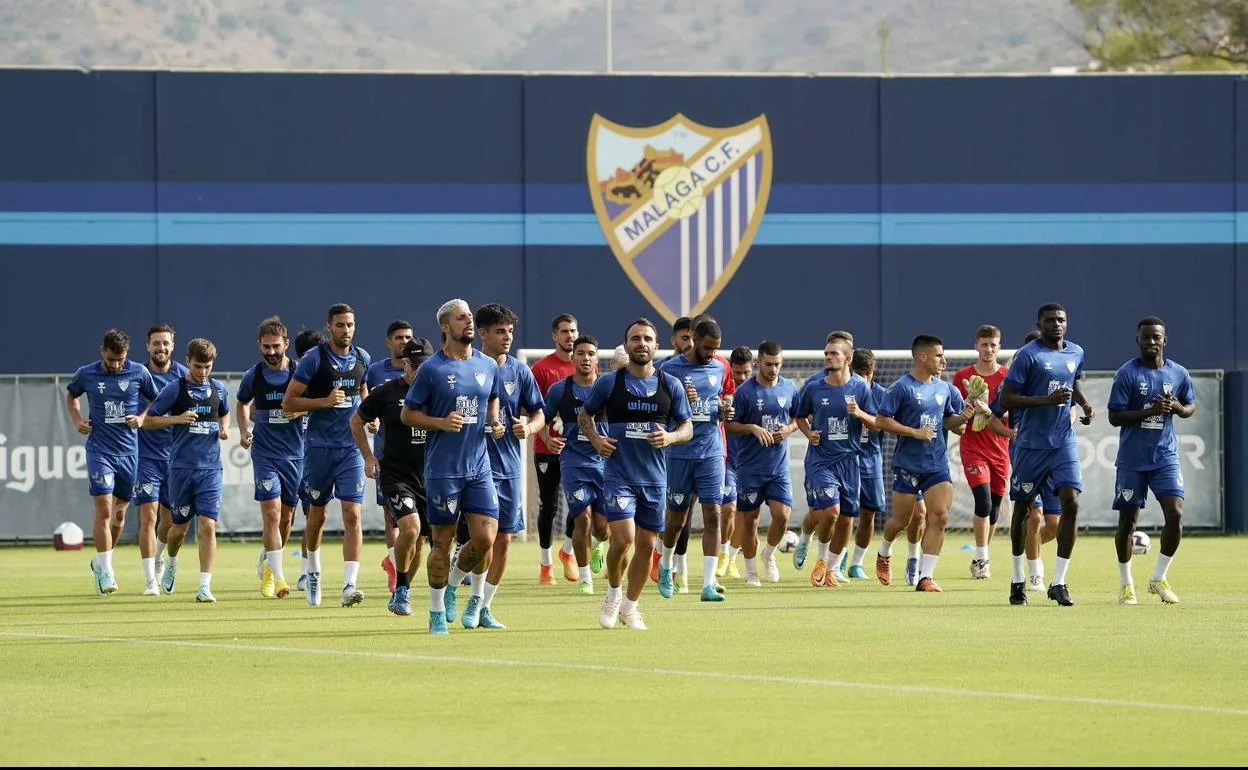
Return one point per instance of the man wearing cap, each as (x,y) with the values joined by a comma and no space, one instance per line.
(400,471)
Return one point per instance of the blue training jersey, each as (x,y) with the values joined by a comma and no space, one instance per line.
(920,405)
(771,408)
(578,452)
(197,445)
(110,399)
(870,442)
(826,407)
(1038,370)
(708,379)
(331,427)
(155,444)
(1150,444)
(518,395)
(275,436)
(444,385)
(635,462)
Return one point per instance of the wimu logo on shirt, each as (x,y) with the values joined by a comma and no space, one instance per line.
(643,406)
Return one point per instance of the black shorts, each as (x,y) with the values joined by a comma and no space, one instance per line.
(405,495)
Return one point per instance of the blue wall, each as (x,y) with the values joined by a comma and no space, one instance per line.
(897,206)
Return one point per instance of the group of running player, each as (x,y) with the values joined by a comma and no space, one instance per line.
(627,453)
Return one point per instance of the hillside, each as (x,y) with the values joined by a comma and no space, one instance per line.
(649,35)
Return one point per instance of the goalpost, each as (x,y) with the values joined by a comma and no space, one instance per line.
(798,365)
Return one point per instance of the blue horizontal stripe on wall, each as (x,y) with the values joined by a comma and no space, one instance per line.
(104,228)
(329,198)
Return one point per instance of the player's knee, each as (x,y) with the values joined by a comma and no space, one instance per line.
(983,501)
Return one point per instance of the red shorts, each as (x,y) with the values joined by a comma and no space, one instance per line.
(981,470)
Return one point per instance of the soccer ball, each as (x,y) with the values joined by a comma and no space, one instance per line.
(788,542)
(1140,541)
(67,537)
(677,181)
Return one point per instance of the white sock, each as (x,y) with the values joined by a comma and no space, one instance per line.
(613,592)
(456,576)
(708,570)
(172,561)
(437,599)
(597,539)
(149,569)
(768,552)
(804,537)
(205,580)
(1059,571)
(886,548)
(586,575)
(350,573)
(274,560)
(1036,568)
(916,549)
(478,584)
(1163,564)
(724,548)
(391,552)
(1124,573)
(1017,576)
(927,566)
(666,559)
(859,554)
(682,565)
(303,564)
(314,561)
(547,558)
(490,590)
(840,557)
(106,561)
(981,552)
(567,546)
(751,567)
(732,552)
(160,550)
(822,552)
(628,606)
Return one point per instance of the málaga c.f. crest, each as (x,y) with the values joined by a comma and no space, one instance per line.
(679,203)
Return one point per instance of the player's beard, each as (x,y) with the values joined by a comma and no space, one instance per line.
(343,341)
(273,360)
(465,337)
(160,358)
(640,357)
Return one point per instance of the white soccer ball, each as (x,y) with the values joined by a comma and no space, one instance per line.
(67,537)
(1140,541)
(676,183)
(788,542)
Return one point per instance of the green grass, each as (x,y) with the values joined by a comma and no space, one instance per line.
(787,674)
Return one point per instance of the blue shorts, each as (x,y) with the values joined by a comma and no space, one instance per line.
(330,472)
(686,477)
(450,497)
(640,502)
(835,484)
(911,483)
(730,484)
(194,492)
(151,486)
(510,506)
(871,493)
(755,491)
(277,478)
(114,475)
(1131,487)
(582,487)
(1036,468)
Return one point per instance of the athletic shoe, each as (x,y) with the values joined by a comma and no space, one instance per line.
(1035,583)
(609,615)
(281,589)
(1060,594)
(709,594)
(681,581)
(884,569)
(733,570)
(472,612)
(633,620)
(160,568)
(451,603)
(830,580)
(598,557)
(912,572)
(546,577)
(392,580)
(152,588)
(927,585)
(666,587)
(570,571)
(169,577)
(752,581)
(489,621)
(108,582)
(771,570)
(97,575)
(799,553)
(314,589)
(586,588)
(721,565)
(1126,594)
(302,583)
(267,589)
(351,595)
(816,574)
(400,604)
(204,595)
(1018,594)
(856,572)
(1162,589)
(437,624)
(979,569)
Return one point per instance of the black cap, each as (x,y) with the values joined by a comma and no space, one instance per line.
(417,349)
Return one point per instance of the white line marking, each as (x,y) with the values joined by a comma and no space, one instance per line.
(603,669)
